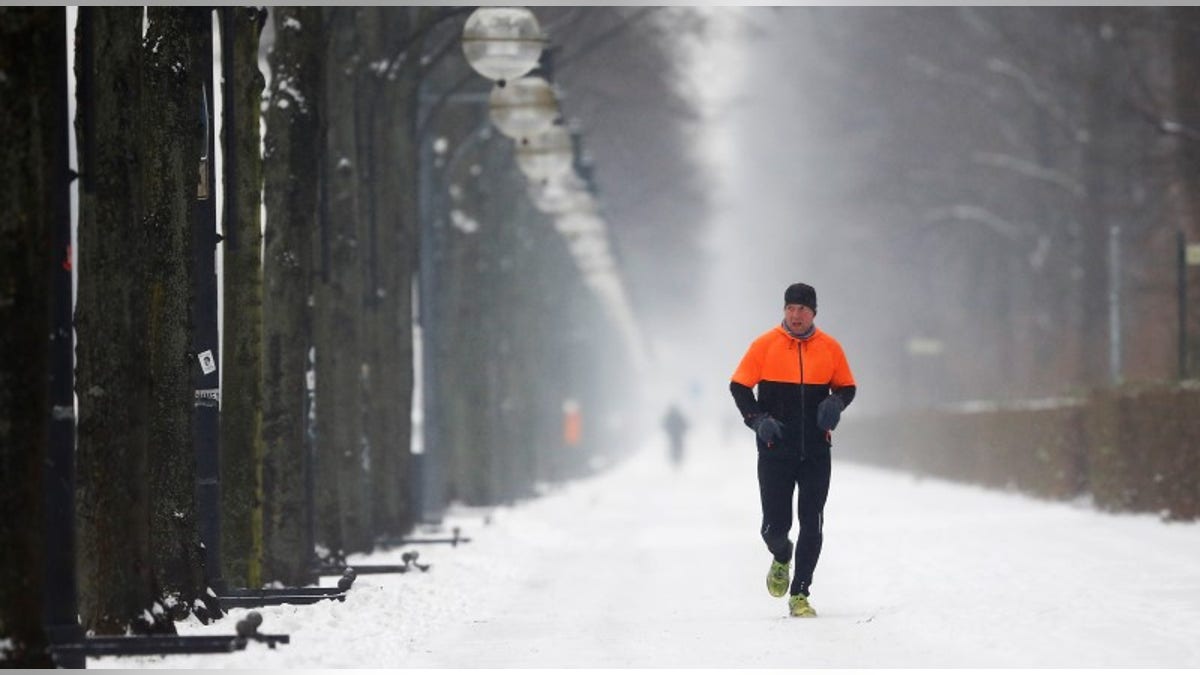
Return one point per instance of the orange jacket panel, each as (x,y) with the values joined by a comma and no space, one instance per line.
(793,376)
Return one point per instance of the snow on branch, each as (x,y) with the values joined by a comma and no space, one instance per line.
(976,214)
(1035,92)
(1030,169)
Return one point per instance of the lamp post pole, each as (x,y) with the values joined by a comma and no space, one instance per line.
(205,343)
(431,478)
(61,597)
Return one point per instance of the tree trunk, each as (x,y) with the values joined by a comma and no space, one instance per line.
(292,155)
(114,567)
(1185,29)
(173,134)
(404,245)
(241,410)
(468,384)
(32,110)
(1097,168)
(388,189)
(457,425)
(343,491)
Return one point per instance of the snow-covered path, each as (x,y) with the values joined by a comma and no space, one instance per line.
(647,567)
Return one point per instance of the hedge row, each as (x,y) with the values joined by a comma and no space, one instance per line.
(1136,448)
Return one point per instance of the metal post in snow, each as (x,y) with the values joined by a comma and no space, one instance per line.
(431,461)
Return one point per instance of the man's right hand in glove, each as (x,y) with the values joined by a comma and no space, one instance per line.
(768,429)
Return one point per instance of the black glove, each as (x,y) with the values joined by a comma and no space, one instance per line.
(767,428)
(830,412)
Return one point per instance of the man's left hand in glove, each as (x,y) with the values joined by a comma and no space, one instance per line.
(829,412)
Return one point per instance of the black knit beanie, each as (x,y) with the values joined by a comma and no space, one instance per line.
(801,294)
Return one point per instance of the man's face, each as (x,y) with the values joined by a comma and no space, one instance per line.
(799,318)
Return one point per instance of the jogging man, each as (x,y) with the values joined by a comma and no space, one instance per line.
(804,383)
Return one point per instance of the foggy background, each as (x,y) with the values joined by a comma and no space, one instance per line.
(987,200)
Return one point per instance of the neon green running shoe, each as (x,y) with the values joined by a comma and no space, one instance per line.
(777,578)
(798,606)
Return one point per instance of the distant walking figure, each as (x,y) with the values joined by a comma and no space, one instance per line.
(804,383)
(675,424)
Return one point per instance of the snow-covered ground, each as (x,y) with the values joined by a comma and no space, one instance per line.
(648,567)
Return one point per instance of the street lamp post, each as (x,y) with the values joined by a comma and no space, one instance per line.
(206,344)
(61,597)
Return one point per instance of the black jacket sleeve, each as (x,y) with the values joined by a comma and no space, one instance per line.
(846,394)
(743,396)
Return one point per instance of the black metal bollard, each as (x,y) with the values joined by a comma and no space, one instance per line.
(454,539)
(247,629)
(410,558)
(135,645)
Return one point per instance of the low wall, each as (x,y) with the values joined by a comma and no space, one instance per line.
(1136,448)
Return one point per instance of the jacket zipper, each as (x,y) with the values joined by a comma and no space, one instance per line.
(803,411)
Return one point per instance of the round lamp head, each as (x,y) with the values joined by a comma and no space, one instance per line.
(524,107)
(547,155)
(502,43)
(565,194)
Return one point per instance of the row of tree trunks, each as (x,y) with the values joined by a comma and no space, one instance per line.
(32,110)
(340,250)
(340,178)
(520,334)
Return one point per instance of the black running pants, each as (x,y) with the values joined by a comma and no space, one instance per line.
(782,475)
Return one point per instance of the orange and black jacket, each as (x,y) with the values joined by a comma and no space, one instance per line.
(793,376)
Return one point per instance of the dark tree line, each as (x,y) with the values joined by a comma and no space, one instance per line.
(318,377)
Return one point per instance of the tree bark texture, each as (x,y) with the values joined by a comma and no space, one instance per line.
(242,399)
(343,489)
(173,134)
(32,60)
(293,145)
(114,566)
